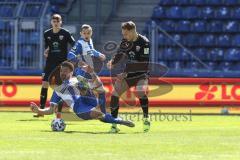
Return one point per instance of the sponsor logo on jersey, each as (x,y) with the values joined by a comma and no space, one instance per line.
(138,48)
(146,50)
(61,37)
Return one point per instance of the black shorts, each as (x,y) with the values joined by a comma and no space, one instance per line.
(49,68)
(133,81)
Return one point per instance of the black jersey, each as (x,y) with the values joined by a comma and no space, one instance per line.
(58,45)
(134,56)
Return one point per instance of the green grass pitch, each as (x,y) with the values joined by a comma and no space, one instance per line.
(205,138)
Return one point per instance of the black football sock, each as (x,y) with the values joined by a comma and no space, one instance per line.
(144,104)
(43,97)
(114,105)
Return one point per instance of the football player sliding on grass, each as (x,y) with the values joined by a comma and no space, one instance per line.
(79,96)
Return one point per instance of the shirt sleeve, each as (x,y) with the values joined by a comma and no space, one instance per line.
(55,98)
(71,39)
(74,52)
(45,41)
(121,55)
(96,53)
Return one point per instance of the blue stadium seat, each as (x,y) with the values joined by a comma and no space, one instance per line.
(199,2)
(207,40)
(190,12)
(193,65)
(217,54)
(191,40)
(177,38)
(231,2)
(166,2)
(207,13)
(224,40)
(163,40)
(54,9)
(32,10)
(8,51)
(58,2)
(2,25)
(225,66)
(231,26)
(1,37)
(183,26)
(182,55)
(160,54)
(201,53)
(9,25)
(23,37)
(214,2)
(236,40)
(169,54)
(236,13)
(235,67)
(4,63)
(167,25)
(176,65)
(215,26)
(26,51)
(232,54)
(183,2)
(34,38)
(174,12)
(199,26)
(6,10)
(212,65)
(158,12)
(223,13)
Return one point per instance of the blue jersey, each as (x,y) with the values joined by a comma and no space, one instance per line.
(70,92)
(83,50)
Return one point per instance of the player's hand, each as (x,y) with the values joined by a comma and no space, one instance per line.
(81,64)
(102,57)
(34,107)
(109,65)
(46,52)
(87,68)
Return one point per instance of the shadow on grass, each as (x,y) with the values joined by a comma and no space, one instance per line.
(29,120)
(89,132)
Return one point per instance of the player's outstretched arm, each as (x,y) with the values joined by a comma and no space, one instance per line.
(47,111)
(99,55)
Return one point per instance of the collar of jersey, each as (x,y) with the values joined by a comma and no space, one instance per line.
(84,39)
(65,81)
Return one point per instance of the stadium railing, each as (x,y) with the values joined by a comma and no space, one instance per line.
(21,36)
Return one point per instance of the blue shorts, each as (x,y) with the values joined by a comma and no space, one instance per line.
(84,105)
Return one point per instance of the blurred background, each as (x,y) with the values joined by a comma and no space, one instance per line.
(193,38)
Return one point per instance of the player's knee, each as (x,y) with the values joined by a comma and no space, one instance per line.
(96,115)
(45,84)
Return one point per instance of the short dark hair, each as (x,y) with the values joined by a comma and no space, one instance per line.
(57,17)
(68,64)
(130,25)
(86,26)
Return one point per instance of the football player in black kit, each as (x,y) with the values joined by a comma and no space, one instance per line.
(56,49)
(134,54)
